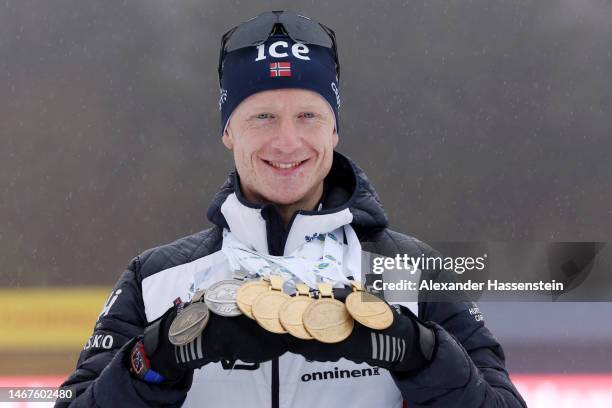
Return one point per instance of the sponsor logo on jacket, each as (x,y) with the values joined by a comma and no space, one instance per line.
(338,373)
(99,341)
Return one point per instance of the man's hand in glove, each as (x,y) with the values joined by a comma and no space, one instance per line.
(223,338)
(405,348)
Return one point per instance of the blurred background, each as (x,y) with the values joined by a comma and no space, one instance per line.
(475,121)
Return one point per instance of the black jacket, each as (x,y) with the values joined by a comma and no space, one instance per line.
(467,370)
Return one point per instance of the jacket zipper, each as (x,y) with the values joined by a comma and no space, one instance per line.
(277,237)
(275,384)
(276,229)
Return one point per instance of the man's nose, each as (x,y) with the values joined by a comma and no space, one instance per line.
(287,137)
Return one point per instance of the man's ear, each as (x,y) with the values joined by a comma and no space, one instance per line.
(228,139)
(335,138)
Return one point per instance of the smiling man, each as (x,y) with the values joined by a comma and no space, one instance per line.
(297,211)
(283,142)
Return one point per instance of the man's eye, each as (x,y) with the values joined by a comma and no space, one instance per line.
(263,116)
(308,115)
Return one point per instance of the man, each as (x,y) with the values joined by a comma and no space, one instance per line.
(291,196)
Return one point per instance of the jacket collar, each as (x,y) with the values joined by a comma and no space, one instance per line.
(348,197)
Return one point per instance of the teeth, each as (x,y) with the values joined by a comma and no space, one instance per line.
(284,165)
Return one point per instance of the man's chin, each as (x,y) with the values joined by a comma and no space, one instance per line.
(284,196)
(284,200)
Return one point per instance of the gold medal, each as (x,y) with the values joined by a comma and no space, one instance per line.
(247,293)
(292,311)
(327,319)
(367,309)
(267,305)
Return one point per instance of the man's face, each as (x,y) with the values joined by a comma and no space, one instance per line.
(283,142)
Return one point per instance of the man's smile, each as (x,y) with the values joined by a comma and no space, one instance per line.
(285,167)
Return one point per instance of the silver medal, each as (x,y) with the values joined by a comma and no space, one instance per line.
(189,323)
(221,297)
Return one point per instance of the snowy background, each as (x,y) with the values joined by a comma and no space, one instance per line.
(475,121)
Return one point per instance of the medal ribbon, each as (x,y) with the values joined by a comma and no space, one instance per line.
(322,258)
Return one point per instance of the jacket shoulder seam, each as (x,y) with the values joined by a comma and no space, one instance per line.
(206,242)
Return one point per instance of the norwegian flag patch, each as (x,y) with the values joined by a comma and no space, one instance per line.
(280,69)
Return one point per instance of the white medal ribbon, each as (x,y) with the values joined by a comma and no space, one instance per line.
(322,258)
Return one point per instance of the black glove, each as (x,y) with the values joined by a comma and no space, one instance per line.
(223,338)
(406,347)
